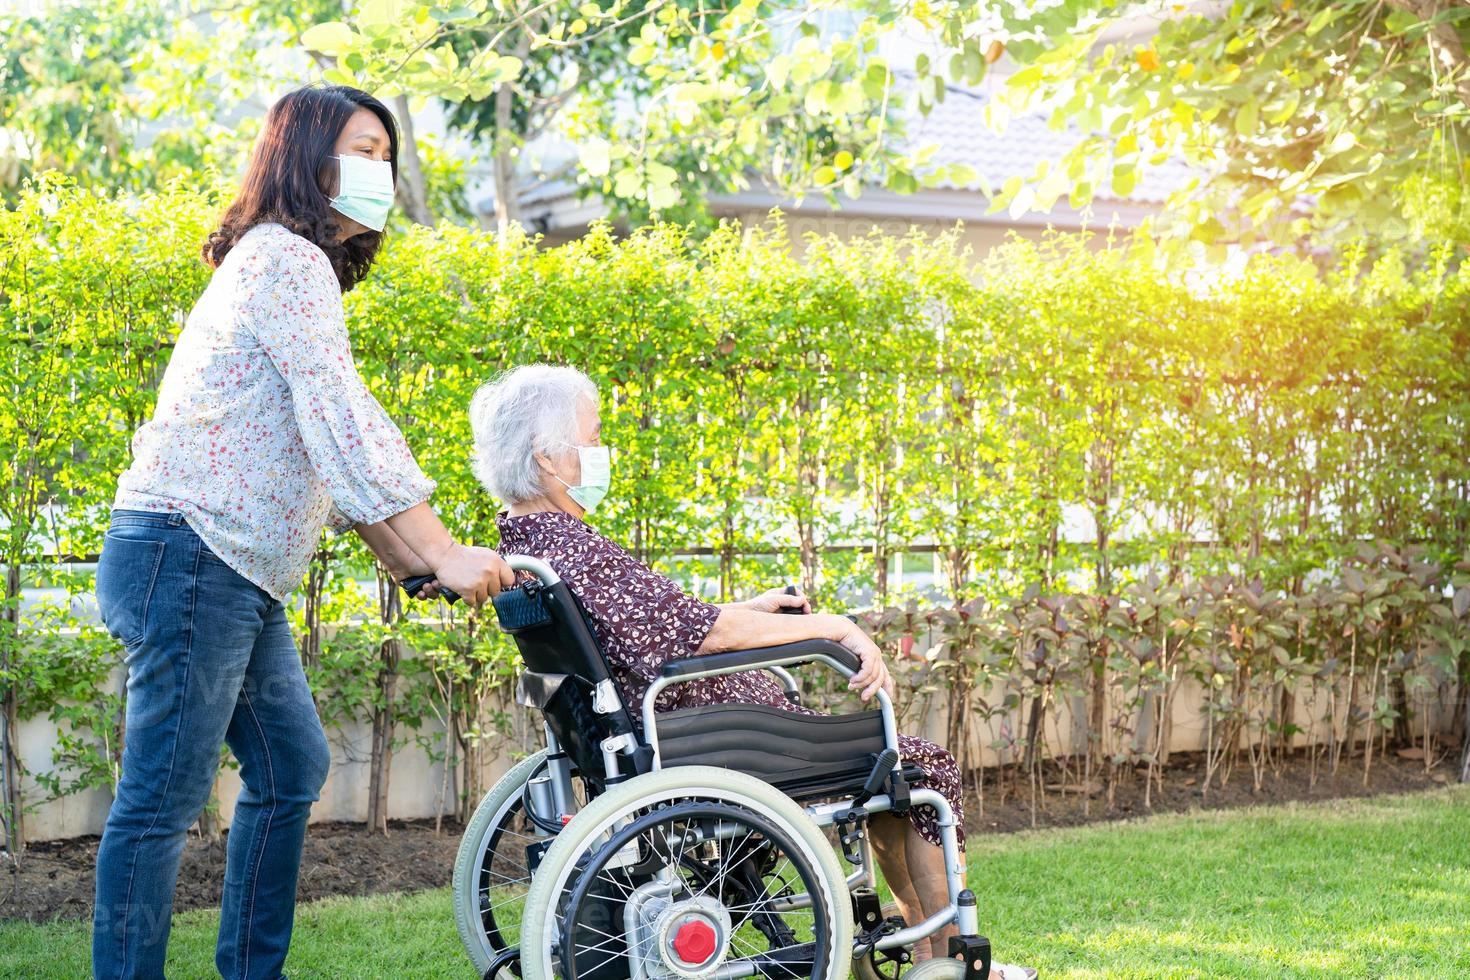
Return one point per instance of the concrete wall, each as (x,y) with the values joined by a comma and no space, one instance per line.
(418,787)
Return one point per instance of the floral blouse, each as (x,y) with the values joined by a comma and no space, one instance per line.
(264,433)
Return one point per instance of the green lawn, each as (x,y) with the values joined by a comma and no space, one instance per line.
(1344,889)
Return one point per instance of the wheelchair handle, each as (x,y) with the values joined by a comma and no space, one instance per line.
(518,563)
(792,610)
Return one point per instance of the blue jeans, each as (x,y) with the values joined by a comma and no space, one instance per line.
(210,660)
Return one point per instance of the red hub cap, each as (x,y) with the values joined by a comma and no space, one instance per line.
(694,942)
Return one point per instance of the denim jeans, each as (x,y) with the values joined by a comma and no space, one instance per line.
(210,660)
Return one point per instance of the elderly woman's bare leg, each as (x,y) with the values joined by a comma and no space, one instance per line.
(914,870)
(887,833)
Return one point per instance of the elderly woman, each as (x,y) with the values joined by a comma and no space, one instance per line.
(538,448)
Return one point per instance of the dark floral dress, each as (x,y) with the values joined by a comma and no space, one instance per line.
(641,619)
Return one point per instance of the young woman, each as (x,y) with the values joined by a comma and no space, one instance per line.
(263,434)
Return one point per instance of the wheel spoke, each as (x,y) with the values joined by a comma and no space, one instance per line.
(728,865)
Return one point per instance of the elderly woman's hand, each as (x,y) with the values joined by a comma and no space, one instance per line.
(873,674)
(777,600)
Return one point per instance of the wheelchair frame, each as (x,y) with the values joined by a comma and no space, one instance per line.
(848,815)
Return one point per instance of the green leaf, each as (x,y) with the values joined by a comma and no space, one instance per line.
(1125,179)
(1027,77)
(627,183)
(776,70)
(1285,111)
(962,174)
(1245,119)
(663,197)
(1324,17)
(596,157)
(331,38)
(1022,202)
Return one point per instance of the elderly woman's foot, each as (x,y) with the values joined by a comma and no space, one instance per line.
(1007,971)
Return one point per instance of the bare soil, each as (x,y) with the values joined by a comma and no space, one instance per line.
(1010,803)
(55,879)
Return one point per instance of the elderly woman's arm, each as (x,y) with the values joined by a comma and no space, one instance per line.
(742,628)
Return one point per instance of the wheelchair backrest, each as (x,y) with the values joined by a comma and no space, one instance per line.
(566,676)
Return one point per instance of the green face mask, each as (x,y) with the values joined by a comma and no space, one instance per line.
(364,190)
(596,463)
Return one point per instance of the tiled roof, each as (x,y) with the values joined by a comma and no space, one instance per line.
(958,125)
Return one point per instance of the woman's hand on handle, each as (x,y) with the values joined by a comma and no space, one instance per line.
(473,572)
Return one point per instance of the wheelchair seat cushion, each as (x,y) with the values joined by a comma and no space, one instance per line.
(804,755)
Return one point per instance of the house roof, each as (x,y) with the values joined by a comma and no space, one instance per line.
(957,125)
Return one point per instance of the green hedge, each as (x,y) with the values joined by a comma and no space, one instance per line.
(817,415)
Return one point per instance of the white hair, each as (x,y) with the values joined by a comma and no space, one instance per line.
(525,411)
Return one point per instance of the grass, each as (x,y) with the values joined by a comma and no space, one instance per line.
(1364,888)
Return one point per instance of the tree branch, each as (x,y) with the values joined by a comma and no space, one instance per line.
(1446,50)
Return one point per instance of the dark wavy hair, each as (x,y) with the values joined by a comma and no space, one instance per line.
(290,178)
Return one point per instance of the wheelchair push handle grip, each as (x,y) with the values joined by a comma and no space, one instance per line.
(792,610)
(417,582)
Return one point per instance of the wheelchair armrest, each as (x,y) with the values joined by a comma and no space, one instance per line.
(802,651)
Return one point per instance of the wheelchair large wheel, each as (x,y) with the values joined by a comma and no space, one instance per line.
(491,878)
(937,970)
(708,871)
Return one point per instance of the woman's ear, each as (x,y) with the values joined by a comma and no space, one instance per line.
(545,463)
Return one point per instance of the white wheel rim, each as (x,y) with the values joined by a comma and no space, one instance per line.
(603,830)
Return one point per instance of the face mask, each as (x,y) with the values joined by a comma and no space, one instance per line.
(596,462)
(364,190)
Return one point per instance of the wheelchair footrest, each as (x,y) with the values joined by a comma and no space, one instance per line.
(975,952)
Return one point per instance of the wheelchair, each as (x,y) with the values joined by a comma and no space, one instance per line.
(699,846)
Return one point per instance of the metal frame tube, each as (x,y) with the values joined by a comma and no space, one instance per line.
(559,768)
(783,675)
(526,563)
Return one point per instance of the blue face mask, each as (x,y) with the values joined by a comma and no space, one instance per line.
(596,463)
(364,191)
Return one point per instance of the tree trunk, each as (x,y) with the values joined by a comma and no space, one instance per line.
(507,203)
(1465,756)
(507,191)
(413,189)
(1098,715)
(1464,689)
(11,812)
(208,823)
(316,580)
(382,743)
